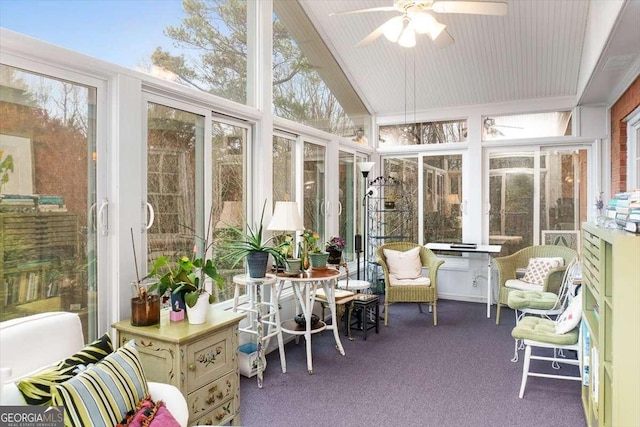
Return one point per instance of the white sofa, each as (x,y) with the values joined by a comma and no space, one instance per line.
(31,343)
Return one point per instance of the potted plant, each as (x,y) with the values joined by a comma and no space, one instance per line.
(292,264)
(187,277)
(334,246)
(254,247)
(317,258)
(145,304)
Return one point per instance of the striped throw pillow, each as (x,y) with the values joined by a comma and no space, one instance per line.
(36,389)
(101,395)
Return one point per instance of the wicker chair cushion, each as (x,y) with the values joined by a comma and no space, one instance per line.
(522,285)
(404,265)
(419,281)
(542,330)
(518,300)
(538,269)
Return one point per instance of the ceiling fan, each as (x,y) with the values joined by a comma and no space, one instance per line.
(491,128)
(417,18)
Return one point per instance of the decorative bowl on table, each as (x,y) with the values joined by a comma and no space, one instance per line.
(302,321)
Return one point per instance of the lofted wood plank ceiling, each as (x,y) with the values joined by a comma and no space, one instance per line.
(532,52)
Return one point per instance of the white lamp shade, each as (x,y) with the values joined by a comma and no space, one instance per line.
(366,166)
(232,215)
(286,217)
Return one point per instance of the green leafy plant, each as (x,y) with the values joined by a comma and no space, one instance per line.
(287,247)
(310,241)
(241,243)
(185,275)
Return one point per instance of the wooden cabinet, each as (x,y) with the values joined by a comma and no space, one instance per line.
(611,307)
(201,360)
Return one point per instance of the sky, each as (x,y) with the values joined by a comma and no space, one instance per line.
(123,32)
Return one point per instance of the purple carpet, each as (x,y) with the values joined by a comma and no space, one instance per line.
(458,373)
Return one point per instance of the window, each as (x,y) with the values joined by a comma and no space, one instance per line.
(228,193)
(197,43)
(347,202)
(402,222)
(314,188)
(284,157)
(177,185)
(633,150)
(526,126)
(531,192)
(307,84)
(48,232)
(423,133)
(442,198)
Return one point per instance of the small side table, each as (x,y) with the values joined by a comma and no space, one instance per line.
(261,313)
(367,305)
(354,285)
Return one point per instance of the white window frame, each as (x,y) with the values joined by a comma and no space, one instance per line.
(633,149)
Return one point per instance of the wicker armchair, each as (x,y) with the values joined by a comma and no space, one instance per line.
(411,293)
(508,265)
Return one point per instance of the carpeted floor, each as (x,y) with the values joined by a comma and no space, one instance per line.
(458,373)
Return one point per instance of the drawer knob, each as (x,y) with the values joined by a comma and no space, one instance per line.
(192,367)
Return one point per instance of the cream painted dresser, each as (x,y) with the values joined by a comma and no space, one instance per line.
(201,360)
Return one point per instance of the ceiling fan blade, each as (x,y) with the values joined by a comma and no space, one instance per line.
(373,35)
(443,40)
(373,9)
(497,8)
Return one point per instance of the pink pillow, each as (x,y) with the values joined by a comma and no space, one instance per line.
(149,413)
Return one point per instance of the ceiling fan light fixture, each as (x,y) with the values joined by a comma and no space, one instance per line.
(408,37)
(424,23)
(392,29)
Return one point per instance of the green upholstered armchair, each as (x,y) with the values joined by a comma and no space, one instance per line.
(420,290)
(508,265)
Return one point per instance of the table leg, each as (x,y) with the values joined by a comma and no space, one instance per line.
(331,298)
(278,291)
(260,333)
(307,308)
(489,287)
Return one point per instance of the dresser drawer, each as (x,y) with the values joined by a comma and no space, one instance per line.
(214,404)
(209,358)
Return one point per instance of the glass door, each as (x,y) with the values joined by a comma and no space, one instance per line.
(48,197)
(314,188)
(347,203)
(175,142)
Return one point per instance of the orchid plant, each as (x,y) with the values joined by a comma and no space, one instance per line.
(335,243)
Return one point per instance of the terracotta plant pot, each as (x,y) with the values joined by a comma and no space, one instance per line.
(145,311)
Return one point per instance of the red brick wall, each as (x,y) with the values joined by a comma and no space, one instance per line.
(628,102)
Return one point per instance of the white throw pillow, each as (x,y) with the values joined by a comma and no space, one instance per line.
(571,316)
(538,269)
(404,265)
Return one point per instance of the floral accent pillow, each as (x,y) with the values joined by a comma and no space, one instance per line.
(149,413)
(538,269)
(571,316)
